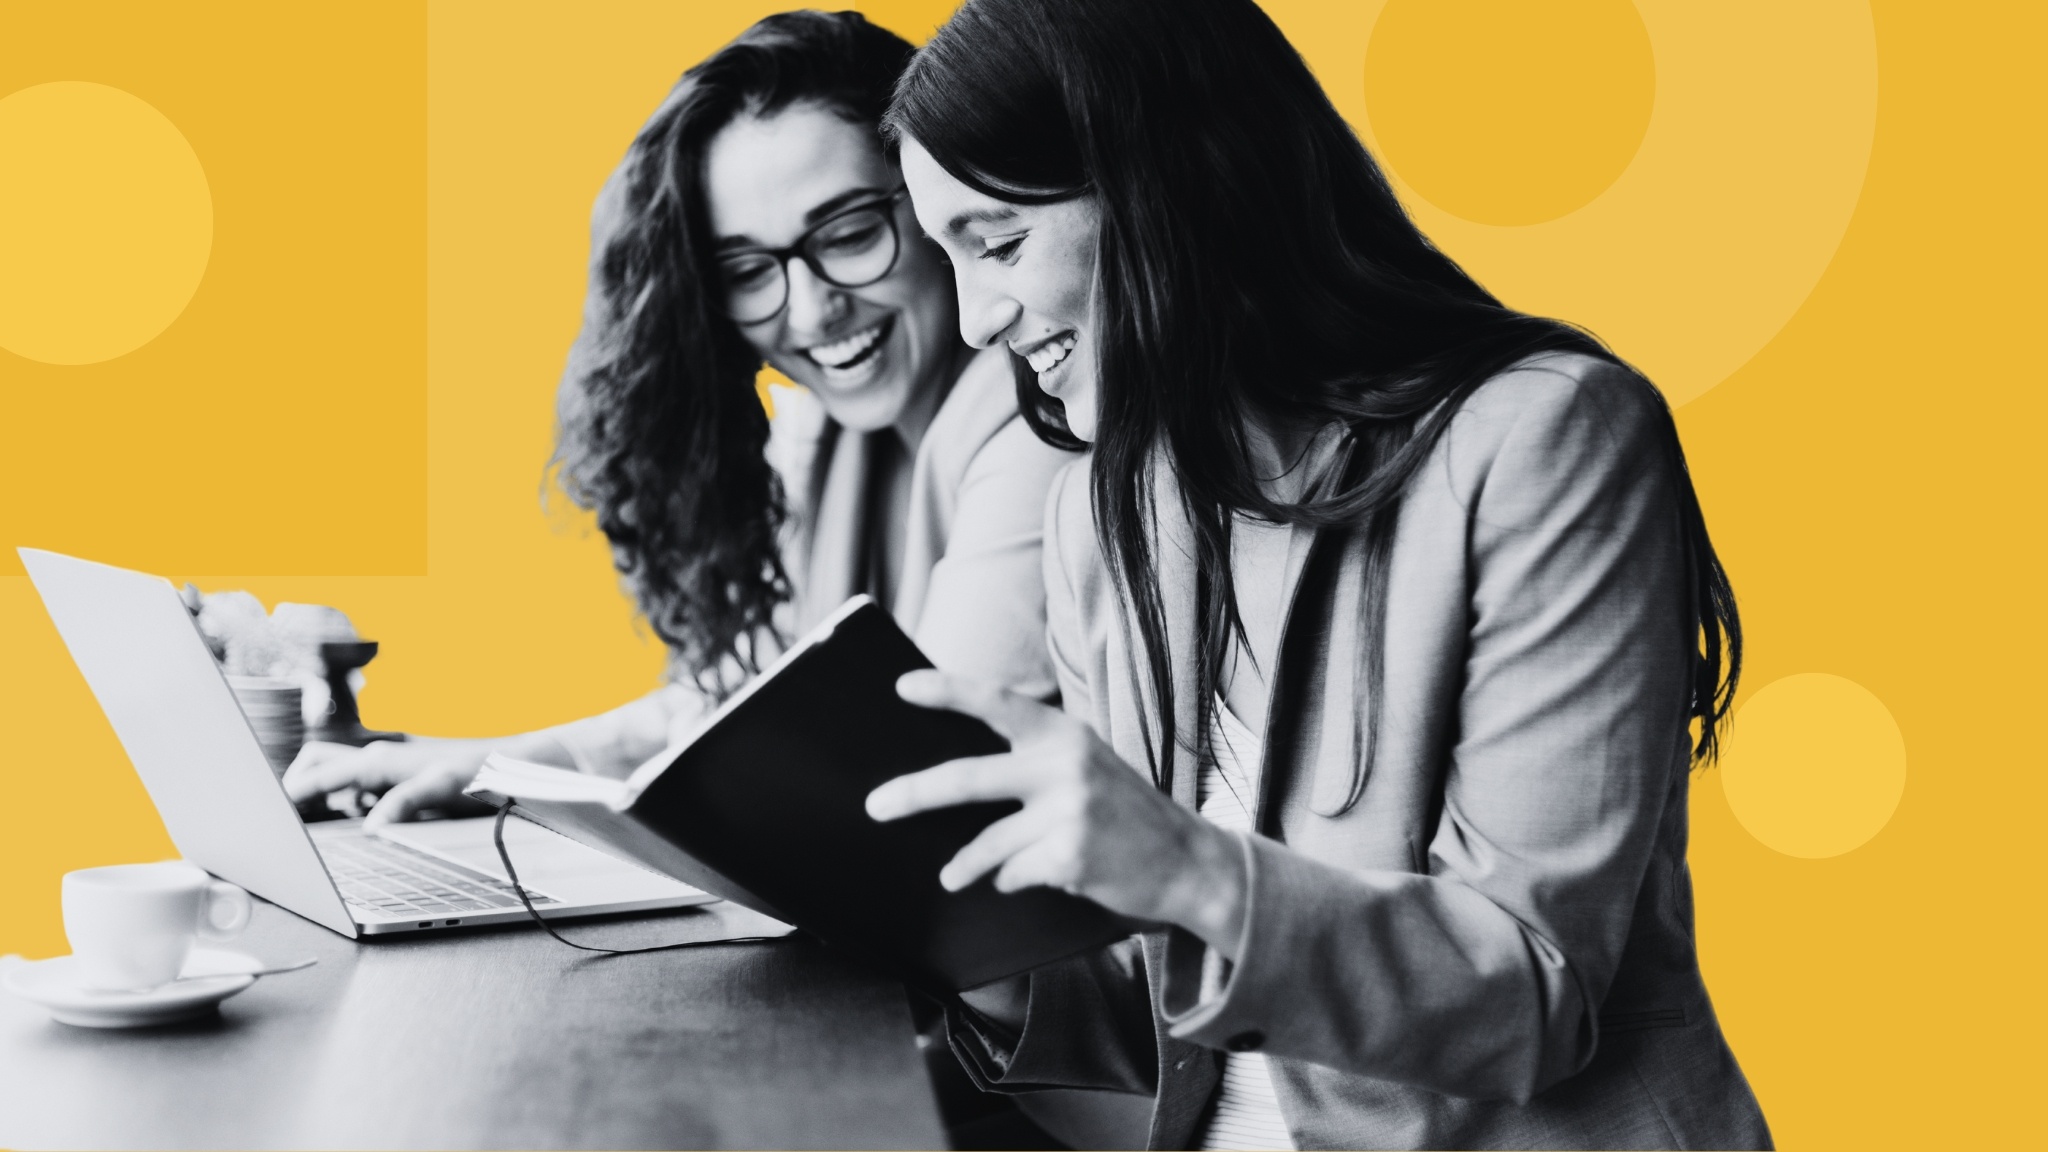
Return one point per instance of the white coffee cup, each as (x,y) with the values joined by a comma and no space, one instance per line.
(132,925)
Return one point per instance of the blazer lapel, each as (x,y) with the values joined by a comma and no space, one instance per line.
(1314,690)
(1175,578)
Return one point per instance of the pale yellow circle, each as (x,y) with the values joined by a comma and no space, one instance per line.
(106,223)
(1813,765)
(1746,178)
(1506,112)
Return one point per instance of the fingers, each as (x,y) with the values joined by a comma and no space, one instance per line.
(990,850)
(321,768)
(302,769)
(408,798)
(1027,849)
(1013,717)
(1050,861)
(977,778)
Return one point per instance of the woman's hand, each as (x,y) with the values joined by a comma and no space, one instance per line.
(1090,825)
(411,777)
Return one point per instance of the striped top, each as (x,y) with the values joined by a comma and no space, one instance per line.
(1247,1113)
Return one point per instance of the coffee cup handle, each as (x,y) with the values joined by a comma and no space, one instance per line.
(227,910)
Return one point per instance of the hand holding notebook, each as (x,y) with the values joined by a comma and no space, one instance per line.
(765,805)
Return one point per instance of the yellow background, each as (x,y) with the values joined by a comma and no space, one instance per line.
(356,409)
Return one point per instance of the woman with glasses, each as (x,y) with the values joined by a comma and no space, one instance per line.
(1381,611)
(757,218)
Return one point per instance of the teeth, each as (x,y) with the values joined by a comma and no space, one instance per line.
(840,352)
(1046,358)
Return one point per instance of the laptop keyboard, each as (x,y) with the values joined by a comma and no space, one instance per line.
(380,876)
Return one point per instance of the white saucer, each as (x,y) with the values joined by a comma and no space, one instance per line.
(210,976)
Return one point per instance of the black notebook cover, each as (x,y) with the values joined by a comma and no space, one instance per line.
(772,796)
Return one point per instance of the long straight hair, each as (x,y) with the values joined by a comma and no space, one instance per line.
(660,430)
(1252,261)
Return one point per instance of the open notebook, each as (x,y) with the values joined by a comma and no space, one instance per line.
(764,805)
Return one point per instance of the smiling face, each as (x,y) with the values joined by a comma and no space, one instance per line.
(878,355)
(1025,274)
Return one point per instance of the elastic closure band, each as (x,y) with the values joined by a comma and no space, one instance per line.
(505,858)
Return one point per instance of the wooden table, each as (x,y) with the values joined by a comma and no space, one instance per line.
(493,1038)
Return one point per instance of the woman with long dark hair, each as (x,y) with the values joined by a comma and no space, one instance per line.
(757,217)
(1386,622)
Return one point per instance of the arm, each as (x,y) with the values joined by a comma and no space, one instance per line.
(1570,728)
(616,742)
(1482,977)
(429,773)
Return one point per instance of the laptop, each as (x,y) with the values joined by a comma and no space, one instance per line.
(170,704)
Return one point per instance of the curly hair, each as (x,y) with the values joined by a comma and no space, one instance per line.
(659,429)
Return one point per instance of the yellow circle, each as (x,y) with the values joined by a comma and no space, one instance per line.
(106,223)
(1506,112)
(1814,765)
(1744,183)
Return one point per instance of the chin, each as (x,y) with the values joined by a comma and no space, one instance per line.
(868,409)
(1077,403)
(1083,428)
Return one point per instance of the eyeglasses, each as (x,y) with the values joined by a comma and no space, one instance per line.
(851,249)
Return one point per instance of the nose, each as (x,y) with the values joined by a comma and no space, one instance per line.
(813,304)
(984,314)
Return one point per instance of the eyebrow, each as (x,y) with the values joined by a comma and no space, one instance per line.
(850,196)
(958,224)
(818,212)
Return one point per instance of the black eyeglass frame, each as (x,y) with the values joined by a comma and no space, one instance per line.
(801,251)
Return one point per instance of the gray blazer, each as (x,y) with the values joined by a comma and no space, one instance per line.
(1492,947)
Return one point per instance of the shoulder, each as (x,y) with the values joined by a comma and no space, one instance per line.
(1558,390)
(981,446)
(981,403)
(793,413)
(1073,557)
(796,422)
(1016,451)
(1549,423)
(999,496)
(1079,599)
(1070,511)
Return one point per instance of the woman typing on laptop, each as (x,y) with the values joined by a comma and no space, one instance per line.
(756,218)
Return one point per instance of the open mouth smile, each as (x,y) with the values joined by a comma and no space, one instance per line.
(1049,353)
(851,352)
